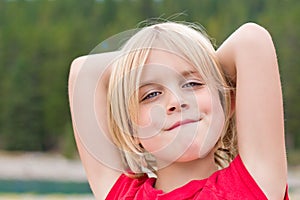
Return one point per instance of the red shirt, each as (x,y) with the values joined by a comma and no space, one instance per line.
(233,182)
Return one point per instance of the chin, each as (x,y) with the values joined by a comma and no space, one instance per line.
(194,153)
(189,156)
(187,159)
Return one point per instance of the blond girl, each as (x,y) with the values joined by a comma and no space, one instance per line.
(179,119)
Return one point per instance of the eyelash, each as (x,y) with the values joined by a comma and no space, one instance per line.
(150,95)
(156,93)
(193,84)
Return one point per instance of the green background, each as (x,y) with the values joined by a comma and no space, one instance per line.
(40,38)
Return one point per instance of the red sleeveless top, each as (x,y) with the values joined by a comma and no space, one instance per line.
(233,182)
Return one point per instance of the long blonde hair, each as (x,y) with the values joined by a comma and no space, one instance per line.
(191,43)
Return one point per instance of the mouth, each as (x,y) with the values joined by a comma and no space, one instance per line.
(180,123)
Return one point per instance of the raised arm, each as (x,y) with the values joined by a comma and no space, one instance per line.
(248,56)
(98,155)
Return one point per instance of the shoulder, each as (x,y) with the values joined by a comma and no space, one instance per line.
(235,182)
(127,187)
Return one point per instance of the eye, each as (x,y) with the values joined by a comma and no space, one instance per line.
(192,84)
(151,95)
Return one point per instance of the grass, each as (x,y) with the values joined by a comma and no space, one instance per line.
(29,196)
(43,187)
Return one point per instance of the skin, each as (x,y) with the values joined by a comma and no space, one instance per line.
(100,176)
(178,114)
(181,97)
(248,57)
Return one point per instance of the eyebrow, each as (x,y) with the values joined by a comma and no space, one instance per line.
(189,72)
(184,74)
(146,84)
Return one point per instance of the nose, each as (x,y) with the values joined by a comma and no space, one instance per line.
(176,104)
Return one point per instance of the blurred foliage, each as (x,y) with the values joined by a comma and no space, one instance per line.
(40,38)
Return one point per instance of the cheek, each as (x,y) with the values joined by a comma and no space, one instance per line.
(148,113)
(151,120)
(152,144)
(204,101)
(144,118)
(215,125)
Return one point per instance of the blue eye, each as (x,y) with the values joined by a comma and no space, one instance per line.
(192,84)
(151,95)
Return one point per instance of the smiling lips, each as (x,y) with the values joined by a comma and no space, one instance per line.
(180,123)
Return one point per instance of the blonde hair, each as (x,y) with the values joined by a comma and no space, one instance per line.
(190,42)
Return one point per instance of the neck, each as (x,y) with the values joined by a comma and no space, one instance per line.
(179,173)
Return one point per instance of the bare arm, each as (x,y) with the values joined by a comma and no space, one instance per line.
(249,58)
(99,170)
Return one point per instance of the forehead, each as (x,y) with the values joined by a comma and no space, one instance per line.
(169,59)
(162,66)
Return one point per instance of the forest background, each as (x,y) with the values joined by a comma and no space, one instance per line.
(40,38)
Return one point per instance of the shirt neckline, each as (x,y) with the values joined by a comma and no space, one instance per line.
(183,191)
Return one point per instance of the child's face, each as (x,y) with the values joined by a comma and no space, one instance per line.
(179,117)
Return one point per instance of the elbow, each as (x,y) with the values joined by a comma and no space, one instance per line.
(74,69)
(255,34)
(73,73)
(251,26)
(75,66)
(252,41)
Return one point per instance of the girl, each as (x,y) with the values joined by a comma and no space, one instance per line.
(182,121)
